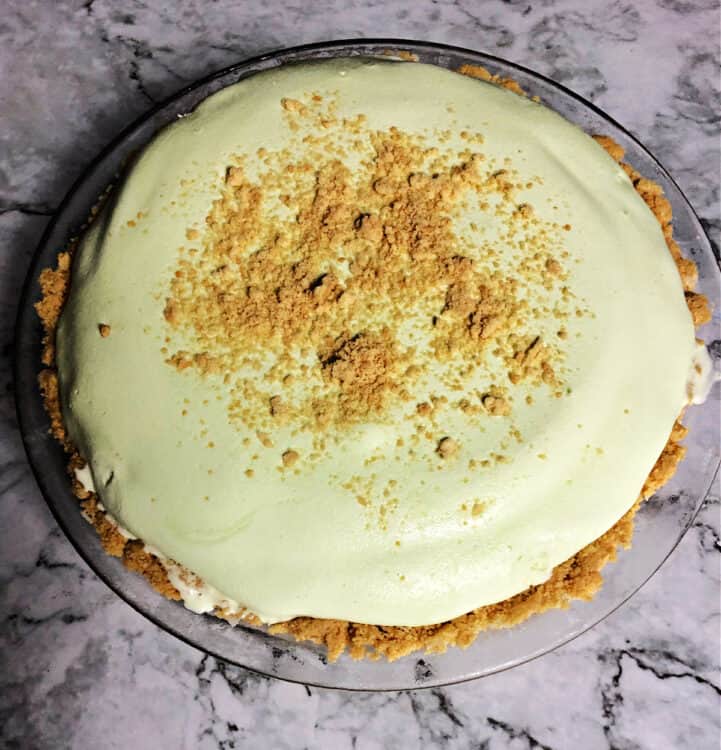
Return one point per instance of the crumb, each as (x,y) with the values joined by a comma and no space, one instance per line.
(293,105)
(554,267)
(478,71)
(290,457)
(234,177)
(478,508)
(277,406)
(424,409)
(496,406)
(447,447)
(265,439)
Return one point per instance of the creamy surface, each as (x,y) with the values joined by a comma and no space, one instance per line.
(284,544)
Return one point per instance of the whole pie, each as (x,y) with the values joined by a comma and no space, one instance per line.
(373,353)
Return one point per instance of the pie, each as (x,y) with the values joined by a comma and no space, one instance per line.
(372,353)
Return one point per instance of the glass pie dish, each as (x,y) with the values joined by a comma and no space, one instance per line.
(660,523)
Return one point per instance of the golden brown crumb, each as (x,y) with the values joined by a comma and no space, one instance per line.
(554,267)
(50,391)
(665,466)
(277,407)
(478,71)
(614,150)
(104,330)
(290,457)
(447,447)
(497,406)
(265,439)
(54,285)
(424,409)
(293,105)
(699,307)
(234,176)
(364,368)
(136,558)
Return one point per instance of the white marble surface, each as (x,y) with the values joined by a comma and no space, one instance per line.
(79,668)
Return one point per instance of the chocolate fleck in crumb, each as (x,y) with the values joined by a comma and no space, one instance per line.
(104,330)
(290,457)
(447,447)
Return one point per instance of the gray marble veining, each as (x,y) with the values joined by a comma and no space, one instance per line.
(79,668)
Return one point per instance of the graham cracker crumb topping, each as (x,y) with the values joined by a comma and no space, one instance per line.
(290,458)
(335,274)
(447,447)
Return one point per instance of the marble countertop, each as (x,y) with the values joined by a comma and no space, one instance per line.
(80,669)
